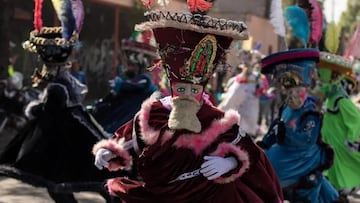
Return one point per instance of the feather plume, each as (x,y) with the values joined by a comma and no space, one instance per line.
(147,3)
(38,23)
(298,22)
(332,37)
(78,12)
(198,5)
(277,17)
(317,21)
(163,3)
(64,12)
(354,43)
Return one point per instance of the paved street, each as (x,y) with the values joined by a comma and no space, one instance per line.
(13,191)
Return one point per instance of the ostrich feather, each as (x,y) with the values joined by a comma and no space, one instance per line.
(198,5)
(163,3)
(78,12)
(64,12)
(277,17)
(332,37)
(298,22)
(317,21)
(354,43)
(38,23)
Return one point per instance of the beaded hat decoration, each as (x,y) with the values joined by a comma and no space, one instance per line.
(332,64)
(54,44)
(191,44)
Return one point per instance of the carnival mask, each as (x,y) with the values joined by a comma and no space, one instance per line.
(296,97)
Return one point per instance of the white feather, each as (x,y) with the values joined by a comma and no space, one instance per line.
(163,3)
(277,17)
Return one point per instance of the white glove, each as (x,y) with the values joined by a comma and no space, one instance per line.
(102,157)
(216,166)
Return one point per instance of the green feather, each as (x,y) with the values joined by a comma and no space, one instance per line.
(332,36)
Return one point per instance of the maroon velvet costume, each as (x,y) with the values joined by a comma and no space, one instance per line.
(166,154)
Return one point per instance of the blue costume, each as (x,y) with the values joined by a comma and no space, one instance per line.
(293,143)
(299,159)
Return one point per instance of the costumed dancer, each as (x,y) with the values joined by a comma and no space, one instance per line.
(243,92)
(12,103)
(54,148)
(184,148)
(341,123)
(133,86)
(293,143)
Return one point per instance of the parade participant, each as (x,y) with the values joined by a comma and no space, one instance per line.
(293,143)
(53,149)
(131,87)
(244,91)
(341,127)
(183,147)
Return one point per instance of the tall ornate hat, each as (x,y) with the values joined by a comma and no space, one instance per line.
(191,44)
(332,65)
(295,67)
(54,44)
(49,44)
(139,49)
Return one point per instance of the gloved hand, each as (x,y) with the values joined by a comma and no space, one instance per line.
(216,166)
(102,158)
(270,137)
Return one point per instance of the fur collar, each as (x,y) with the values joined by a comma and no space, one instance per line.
(196,141)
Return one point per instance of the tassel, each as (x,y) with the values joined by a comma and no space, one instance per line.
(198,5)
(63,9)
(277,18)
(38,23)
(78,12)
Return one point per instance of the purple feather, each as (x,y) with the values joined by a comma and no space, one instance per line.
(78,11)
(63,9)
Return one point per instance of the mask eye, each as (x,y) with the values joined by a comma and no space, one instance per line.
(194,91)
(180,89)
(288,82)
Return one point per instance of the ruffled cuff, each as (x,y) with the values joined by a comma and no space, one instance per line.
(122,161)
(226,149)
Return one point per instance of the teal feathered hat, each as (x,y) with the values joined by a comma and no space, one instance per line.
(296,66)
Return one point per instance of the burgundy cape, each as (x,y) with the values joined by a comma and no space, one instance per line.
(160,155)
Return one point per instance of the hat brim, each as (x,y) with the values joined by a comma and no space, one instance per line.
(198,23)
(269,63)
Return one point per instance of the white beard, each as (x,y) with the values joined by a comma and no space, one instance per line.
(183,115)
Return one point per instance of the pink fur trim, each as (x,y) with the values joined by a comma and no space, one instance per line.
(198,142)
(226,148)
(149,135)
(117,149)
(109,184)
(166,136)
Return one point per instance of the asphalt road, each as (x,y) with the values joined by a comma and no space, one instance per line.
(14,191)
